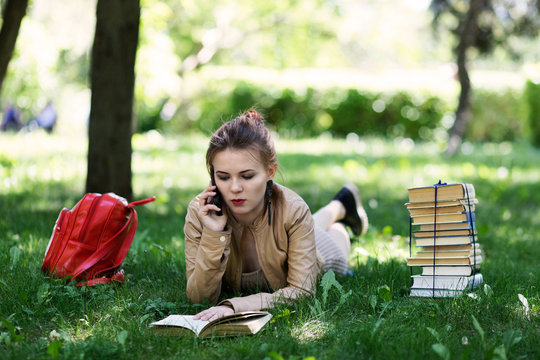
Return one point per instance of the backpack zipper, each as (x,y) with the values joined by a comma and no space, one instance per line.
(60,219)
(57,228)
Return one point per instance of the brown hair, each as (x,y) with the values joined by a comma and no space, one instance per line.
(246,131)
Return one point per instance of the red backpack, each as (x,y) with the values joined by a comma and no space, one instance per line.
(90,241)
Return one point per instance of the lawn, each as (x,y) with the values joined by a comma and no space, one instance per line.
(367,314)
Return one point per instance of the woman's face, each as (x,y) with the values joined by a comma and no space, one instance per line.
(241,178)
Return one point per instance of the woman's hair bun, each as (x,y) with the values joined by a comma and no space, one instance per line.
(246,131)
(252,114)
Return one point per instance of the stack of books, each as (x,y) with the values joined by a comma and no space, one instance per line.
(444,233)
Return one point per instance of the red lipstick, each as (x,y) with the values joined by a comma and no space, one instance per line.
(238,202)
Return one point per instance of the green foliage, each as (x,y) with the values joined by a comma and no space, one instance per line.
(329,281)
(149,116)
(366,314)
(392,115)
(499,24)
(270,34)
(497,116)
(311,112)
(492,351)
(12,335)
(532,94)
(21,87)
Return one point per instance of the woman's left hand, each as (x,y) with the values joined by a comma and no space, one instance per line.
(213,313)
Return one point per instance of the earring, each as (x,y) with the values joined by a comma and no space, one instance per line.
(268,194)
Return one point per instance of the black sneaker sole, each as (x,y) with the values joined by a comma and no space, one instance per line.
(356,220)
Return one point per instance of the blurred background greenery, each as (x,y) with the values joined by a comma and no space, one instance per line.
(312,67)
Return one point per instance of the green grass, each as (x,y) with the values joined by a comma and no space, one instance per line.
(365,315)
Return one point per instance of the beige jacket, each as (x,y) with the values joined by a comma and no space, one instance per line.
(286,252)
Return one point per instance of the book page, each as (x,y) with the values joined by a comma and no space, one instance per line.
(185,321)
(243,323)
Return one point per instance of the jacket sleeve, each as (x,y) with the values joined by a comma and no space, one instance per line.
(302,263)
(206,253)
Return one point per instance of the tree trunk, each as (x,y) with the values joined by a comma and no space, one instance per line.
(112,82)
(12,16)
(467,38)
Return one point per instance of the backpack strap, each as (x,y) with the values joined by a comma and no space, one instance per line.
(127,243)
(142,202)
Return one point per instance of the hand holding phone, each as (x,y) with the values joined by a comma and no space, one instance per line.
(217,198)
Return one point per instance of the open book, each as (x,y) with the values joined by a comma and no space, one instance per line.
(243,323)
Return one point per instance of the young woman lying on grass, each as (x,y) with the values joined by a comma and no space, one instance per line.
(266,243)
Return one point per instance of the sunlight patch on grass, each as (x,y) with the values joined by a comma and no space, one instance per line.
(32,245)
(82,332)
(310,331)
(35,158)
(163,163)
(380,249)
(390,250)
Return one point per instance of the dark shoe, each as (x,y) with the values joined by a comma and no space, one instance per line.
(355,215)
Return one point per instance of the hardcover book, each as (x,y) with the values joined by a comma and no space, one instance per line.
(443,218)
(464,225)
(443,253)
(463,260)
(442,203)
(440,210)
(437,293)
(459,270)
(472,247)
(449,282)
(446,240)
(444,192)
(439,233)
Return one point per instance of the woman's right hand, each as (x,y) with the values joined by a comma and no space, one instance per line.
(207,210)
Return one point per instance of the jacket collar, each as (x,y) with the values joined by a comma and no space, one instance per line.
(260,221)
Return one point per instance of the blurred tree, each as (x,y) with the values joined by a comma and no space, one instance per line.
(12,15)
(275,34)
(482,25)
(112,83)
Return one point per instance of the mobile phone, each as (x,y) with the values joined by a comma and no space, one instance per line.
(217,197)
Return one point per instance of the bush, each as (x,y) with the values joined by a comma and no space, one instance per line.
(497,116)
(532,96)
(310,112)
(307,112)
